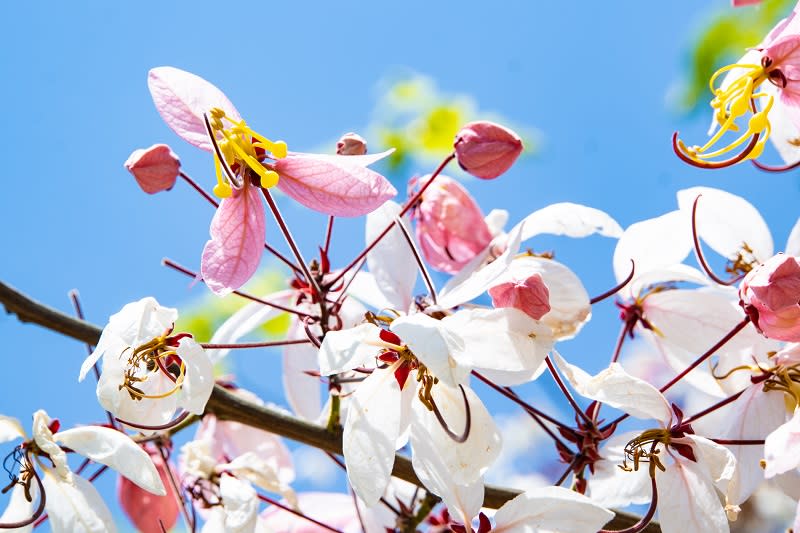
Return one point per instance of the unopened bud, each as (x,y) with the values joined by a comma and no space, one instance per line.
(351,144)
(486,150)
(529,295)
(155,168)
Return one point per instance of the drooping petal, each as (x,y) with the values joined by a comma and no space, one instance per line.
(346,349)
(10,429)
(232,255)
(504,340)
(687,500)
(115,449)
(551,509)
(617,388)
(335,185)
(240,503)
(370,434)
(75,507)
(199,376)
(611,486)
(45,441)
(391,261)
(434,344)
(571,220)
(19,508)
(245,321)
(716,458)
(726,222)
(780,447)
(301,389)
(181,98)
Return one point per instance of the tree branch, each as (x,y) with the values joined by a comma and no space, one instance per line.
(228,406)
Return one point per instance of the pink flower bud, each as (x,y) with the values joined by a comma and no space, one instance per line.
(351,144)
(770,294)
(486,150)
(450,226)
(145,509)
(155,168)
(529,295)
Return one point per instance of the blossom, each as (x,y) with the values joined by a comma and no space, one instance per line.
(764,85)
(147,373)
(146,510)
(449,224)
(72,503)
(485,149)
(335,185)
(770,294)
(155,168)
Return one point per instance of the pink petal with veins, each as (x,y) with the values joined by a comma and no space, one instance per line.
(337,185)
(181,98)
(237,238)
(529,295)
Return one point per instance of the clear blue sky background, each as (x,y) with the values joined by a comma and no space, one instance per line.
(593,77)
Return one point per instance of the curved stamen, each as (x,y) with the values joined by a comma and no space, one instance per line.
(615,289)
(39,509)
(180,418)
(699,251)
(220,158)
(307,322)
(467,424)
(681,151)
(645,520)
(779,168)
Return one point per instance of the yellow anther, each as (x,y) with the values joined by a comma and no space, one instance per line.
(279,149)
(269,179)
(222,190)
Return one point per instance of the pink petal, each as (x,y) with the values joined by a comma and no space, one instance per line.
(740,3)
(237,237)
(181,98)
(144,508)
(155,168)
(335,185)
(529,295)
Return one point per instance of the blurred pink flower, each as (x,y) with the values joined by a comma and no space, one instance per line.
(145,509)
(486,150)
(450,226)
(155,168)
(770,294)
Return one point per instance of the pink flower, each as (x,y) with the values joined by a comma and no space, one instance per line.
(450,226)
(486,150)
(740,3)
(145,509)
(351,144)
(529,295)
(155,168)
(770,294)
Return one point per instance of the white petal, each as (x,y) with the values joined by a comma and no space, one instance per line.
(472,281)
(717,459)
(617,388)
(365,288)
(434,344)
(572,220)
(551,509)
(347,349)
(504,339)
(654,243)
(115,449)
(302,390)
(199,376)
(10,429)
(784,134)
(261,472)
(725,221)
(611,486)
(139,322)
(370,433)
(76,507)
(657,276)
(245,321)
(687,501)
(780,447)
(390,261)
(45,441)
(240,503)
(19,508)
(793,242)
(496,220)
(464,462)
(146,411)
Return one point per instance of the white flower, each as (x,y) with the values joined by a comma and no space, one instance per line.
(148,375)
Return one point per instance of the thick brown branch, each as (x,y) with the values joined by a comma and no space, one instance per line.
(229,406)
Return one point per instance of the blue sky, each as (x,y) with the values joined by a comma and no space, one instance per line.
(595,78)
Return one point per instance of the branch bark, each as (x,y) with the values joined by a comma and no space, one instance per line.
(228,406)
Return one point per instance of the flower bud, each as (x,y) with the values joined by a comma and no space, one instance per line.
(770,294)
(351,144)
(155,168)
(450,227)
(144,508)
(486,150)
(530,295)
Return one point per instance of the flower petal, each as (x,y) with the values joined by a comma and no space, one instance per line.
(687,500)
(551,509)
(76,507)
(390,261)
(571,220)
(199,376)
(434,344)
(232,255)
(19,508)
(334,185)
(181,98)
(240,502)
(780,447)
(346,349)
(10,429)
(115,449)
(302,390)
